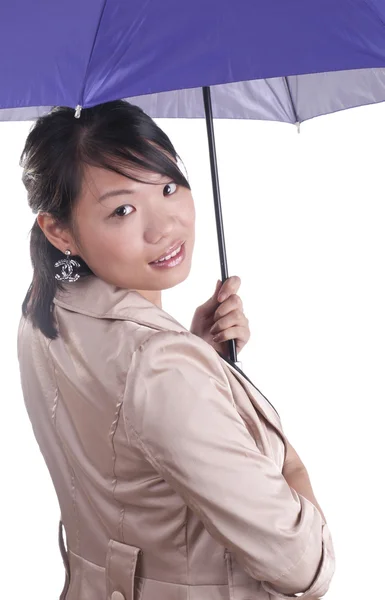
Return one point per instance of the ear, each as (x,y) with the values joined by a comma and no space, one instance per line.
(59,236)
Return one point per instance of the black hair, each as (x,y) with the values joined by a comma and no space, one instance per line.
(112,135)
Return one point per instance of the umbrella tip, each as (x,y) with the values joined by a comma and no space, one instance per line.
(298,127)
(78,110)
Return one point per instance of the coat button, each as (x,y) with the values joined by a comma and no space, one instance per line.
(117,596)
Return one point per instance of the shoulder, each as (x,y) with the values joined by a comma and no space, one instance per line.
(175,368)
(172,368)
(178,349)
(175,380)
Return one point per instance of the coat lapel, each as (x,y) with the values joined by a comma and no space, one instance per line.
(258,400)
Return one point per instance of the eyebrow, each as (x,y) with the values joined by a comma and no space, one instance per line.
(115,193)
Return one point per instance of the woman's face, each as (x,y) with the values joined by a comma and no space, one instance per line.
(123,225)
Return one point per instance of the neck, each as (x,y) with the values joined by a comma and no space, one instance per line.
(154,296)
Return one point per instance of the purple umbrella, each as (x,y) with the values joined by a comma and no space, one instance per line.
(287,60)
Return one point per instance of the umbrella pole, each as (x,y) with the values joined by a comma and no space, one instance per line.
(217,199)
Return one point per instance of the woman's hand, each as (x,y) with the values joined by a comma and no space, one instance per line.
(222,316)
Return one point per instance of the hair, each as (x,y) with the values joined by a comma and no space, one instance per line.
(112,135)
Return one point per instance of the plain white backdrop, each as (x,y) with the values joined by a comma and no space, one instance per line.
(304,218)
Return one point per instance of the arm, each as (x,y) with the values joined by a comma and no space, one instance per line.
(298,479)
(179,411)
(296,475)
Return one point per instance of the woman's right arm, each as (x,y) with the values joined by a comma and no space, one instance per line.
(178,409)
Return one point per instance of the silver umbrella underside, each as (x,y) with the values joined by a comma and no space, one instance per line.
(287,99)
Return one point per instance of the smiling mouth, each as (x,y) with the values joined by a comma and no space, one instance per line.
(170,254)
(173,261)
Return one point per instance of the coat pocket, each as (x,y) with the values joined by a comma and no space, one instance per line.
(241,585)
(121,564)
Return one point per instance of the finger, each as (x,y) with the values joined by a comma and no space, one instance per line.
(213,301)
(208,307)
(218,286)
(238,333)
(234,302)
(234,318)
(230,286)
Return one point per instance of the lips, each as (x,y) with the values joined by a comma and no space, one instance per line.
(169,251)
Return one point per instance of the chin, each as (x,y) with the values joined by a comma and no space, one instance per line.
(175,279)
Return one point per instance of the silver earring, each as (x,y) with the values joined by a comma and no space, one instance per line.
(67,265)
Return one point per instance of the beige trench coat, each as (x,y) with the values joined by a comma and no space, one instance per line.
(166,460)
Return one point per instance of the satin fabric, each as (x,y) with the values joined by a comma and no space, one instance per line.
(166,460)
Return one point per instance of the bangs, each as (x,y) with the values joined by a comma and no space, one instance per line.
(134,163)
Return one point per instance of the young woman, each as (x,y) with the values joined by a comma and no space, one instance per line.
(174,477)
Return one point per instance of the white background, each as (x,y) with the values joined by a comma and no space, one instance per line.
(304,219)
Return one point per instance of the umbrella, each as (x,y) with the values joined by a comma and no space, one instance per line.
(253,59)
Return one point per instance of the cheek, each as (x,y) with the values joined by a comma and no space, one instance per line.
(189,217)
(100,242)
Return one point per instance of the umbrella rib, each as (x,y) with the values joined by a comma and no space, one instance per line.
(374,10)
(81,99)
(291,100)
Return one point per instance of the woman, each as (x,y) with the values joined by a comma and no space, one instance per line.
(174,477)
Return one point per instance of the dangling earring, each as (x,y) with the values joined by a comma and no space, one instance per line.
(67,268)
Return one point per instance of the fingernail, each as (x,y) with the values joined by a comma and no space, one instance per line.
(221,297)
(215,338)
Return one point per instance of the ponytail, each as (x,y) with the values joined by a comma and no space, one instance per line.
(38,302)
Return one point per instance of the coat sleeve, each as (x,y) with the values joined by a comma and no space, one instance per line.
(179,410)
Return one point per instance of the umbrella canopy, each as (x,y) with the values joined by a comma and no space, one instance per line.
(282,61)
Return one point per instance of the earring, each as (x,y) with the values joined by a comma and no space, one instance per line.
(67,265)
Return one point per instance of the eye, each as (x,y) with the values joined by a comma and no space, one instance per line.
(121,211)
(171,188)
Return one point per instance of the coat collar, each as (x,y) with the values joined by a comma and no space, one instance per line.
(94,297)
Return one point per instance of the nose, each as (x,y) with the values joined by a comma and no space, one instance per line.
(159,226)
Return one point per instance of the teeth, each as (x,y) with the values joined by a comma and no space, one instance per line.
(169,255)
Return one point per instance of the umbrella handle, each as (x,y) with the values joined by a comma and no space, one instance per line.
(217,199)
